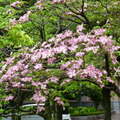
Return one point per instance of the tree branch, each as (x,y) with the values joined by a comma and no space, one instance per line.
(104,6)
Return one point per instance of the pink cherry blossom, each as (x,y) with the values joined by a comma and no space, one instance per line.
(15,3)
(65,81)
(43,86)
(16,84)
(34,84)
(39,4)
(12,21)
(47,45)
(61,49)
(43,99)
(39,98)
(76,63)
(26,79)
(65,65)
(1,81)
(40,109)
(102,86)
(58,1)
(85,5)
(105,40)
(92,72)
(99,31)
(9,61)
(92,41)
(4,77)
(54,79)
(109,79)
(24,72)
(71,73)
(9,98)
(80,28)
(114,59)
(68,33)
(34,58)
(52,39)
(47,53)
(73,41)
(99,81)
(51,60)
(59,101)
(38,66)
(104,72)
(94,49)
(25,17)
(115,47)
(4,67)
(73,47)
(80,54)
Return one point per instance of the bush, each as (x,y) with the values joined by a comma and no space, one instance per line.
(84,111)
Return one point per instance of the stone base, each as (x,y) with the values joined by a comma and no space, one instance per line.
(90,117)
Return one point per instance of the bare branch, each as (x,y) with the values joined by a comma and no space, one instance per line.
(104,6)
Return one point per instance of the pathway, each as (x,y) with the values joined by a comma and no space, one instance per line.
(116,116)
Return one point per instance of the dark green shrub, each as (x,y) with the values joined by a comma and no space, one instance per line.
(84,111)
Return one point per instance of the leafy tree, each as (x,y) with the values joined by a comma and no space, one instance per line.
(93,92)
(11,37)
(15,19)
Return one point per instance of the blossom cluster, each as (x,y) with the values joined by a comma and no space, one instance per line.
(25,17)
(59,101)
(15,3)
(39,4)
(59,1)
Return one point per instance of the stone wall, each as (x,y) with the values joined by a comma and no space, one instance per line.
(115,106)
(91,117)
(27,117)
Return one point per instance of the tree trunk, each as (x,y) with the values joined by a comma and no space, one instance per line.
(57,112)
(16,117)
(106,103)
(48,111)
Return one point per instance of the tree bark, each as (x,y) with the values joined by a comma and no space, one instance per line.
(16,117)
(58,112)
(106,103)
(48,111)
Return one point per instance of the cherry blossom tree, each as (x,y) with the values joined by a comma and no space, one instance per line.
(49,69)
